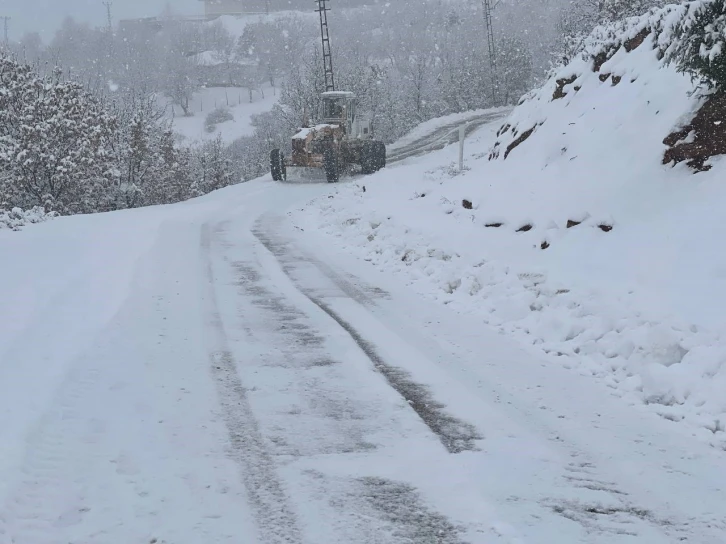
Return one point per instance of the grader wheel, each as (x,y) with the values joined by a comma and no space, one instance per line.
(331,165)
(277,165)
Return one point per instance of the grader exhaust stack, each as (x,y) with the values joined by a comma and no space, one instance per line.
(342,138)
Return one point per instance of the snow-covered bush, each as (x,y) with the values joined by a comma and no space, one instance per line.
(700,47)
(217,116)
(16,218)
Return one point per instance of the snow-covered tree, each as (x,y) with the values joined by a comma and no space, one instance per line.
(30,48)
(275,46)
(613,10)
(175,175)
(136,146)
(578,18)
(213,168)
(55,142)
(179,79)
(514,62)
(700,48)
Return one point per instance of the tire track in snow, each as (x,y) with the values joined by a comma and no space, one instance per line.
(319,411)
(277,522)
(456,436)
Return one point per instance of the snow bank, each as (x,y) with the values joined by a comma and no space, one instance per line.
(16,218)
(579,242)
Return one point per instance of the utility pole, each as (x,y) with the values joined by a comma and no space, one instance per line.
(6,21)
(106,66)
(487,6)
(109,18)
(327,54)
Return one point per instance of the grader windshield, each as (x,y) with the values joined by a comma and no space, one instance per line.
(337,106)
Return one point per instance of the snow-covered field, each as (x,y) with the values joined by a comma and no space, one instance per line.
(237,100)
(579,244)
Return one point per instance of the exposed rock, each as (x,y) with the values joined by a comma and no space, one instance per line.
(602,57)
(616,80)
(504,129)
(709,136)
(604,77)
(518,141)
(467,204)
(561,83)
(605,228)
(493,225)
(599,59)
(544,245)
(525,228)
(571,223)
(637,40)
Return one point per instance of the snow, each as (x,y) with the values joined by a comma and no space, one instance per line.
(639,307)
(193,128)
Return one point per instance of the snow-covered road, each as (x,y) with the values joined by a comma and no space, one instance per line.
(439,133)
(210,372)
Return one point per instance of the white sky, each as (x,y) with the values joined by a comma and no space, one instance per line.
(45,16)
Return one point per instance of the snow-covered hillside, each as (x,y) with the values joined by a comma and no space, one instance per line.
(568,232)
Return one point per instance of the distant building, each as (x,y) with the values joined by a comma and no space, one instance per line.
(216,8)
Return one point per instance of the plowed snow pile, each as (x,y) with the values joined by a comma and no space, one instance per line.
(580,242)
